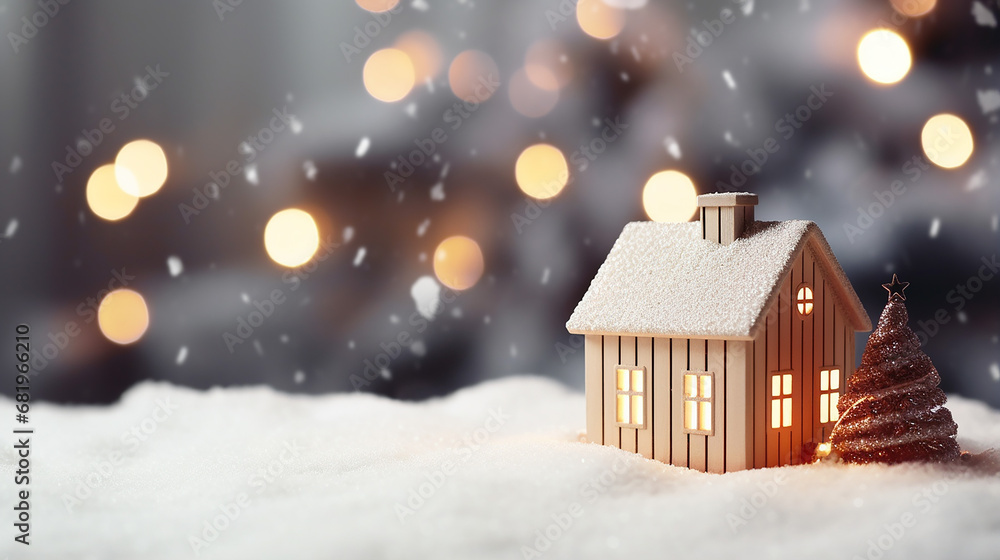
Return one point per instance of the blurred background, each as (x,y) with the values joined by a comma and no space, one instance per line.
(459,170)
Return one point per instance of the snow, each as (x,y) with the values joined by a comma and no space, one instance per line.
(175,266)
(362,148)
(983,15)
(664,279)
(989,100)
(426,294)
(489,473)
(359,257)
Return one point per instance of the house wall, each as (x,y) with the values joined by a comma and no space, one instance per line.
(801,345)
(666,360)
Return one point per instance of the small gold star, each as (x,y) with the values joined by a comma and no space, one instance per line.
(896,288)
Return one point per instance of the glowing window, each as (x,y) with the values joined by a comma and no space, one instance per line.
(781,400)
(829,395)
(630,385)
(804,300)
(698,402)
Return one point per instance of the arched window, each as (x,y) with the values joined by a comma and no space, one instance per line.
(804,300)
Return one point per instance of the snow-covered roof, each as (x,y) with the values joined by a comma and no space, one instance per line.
(664,279)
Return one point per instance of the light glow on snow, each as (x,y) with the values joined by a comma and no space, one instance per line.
(670,196)
(884,56)
(123,316)
(291,237)
(947,141)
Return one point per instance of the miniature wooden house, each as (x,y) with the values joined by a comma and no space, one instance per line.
(720,345)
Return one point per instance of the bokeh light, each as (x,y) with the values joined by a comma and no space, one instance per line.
(123,316)
(473,76)
(389,75)
(458,262)
(377,6)
(424,53)
(291,237)
(884,56)
(541,171)
(947,141)
(529,99)
(141,168)
(547,65)
(106,198)
(913,8)
(670,196)
(598,19)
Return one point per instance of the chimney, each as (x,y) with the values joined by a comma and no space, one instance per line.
(725,216)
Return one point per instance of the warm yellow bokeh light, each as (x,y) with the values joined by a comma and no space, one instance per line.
(377,6)
(141,168)
(123,316)
(541,171)
(670,196)
(947,141)
(291,237)
(547,65)
(884,56)
(598,19)
(529,99)
(389,75)
(473,76)
(913,8)
(458,262)
(106,198)
(424,53)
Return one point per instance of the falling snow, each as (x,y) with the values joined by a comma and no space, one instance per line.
(362,148)
(251,174)
(935,227)
(419,348)
(728,78)
(359,257)
(310,169)
(747,7)
(11,228)
(295,124)
(983,15)
(422,228)
(437,192)
(348,234)
(300,377)
(673,148)
(995,224)
(989,100)
(174,265)
(426,294)
(995,371)
(545,275)
(15,165)
(245,297)
(182,356)
(420,5)
(977,180)
(411,110)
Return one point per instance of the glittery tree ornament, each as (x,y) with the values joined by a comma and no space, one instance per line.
(893,410)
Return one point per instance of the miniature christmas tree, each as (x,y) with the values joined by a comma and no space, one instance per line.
(893,410)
